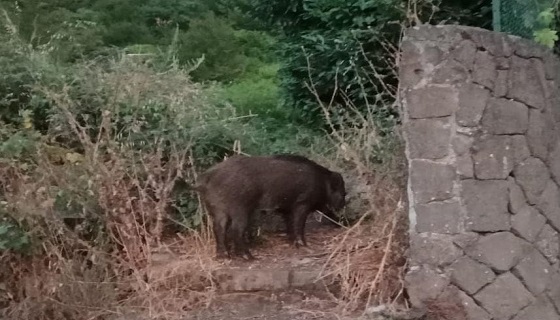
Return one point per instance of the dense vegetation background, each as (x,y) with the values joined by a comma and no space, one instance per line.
(201,77)
(249,61)
(106,106)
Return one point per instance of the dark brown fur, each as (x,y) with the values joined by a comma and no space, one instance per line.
(233,190)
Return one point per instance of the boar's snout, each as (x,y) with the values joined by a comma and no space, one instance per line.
(337,192)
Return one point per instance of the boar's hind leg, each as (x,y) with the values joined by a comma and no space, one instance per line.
(239,226)
(299,218)
(220,233)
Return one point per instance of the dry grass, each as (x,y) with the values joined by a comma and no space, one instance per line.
(109,263)
(368,260)
(119,270)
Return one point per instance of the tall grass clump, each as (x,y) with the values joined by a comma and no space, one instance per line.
(367,260)
(88,199)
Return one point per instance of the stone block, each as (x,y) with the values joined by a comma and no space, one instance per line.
(504,116)
(551,66)
(472,102)
(501,87)
(432,250)
(411,68)
(410,51)
(495,43)
(554,100)
(466,239)
(464,53)
(465,166)
(486,203)
(520,149)
(232,280)
(551,90)
(502,63)
(450,72)
(553,291)
(473,311)
(461,144)
(535,271)
(470,310)
(554,162)
(493,157)
(306,279)
(470,275)
(439,217)
(433,54)
(424,284)
(532,175)
(517,199)
(548,243)
(431,102)
(484,71)
(541,136)
(525,83)
(500,251)
(528,223)
(410,74)
(428,138)
(431,181)
(526,48)
(505,297)
(541,309)
(549,204)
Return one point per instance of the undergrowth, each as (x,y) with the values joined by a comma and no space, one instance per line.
(96,213)
(367,260)
(93,195)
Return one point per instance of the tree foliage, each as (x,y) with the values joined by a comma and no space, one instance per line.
(337,44)
(332,43)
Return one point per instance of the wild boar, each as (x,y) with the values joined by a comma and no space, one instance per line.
(234,190)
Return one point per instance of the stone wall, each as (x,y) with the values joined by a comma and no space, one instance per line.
(481,113)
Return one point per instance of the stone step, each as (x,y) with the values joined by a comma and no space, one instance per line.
(244,280)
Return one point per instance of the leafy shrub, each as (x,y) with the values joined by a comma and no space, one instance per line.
(332,42)
(17,145)
(256,93)
(123,33)
(12,237)
(257,45)
(213,38)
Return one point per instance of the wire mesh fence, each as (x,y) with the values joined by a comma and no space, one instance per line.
(518,17)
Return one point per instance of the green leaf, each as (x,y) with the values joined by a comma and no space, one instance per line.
(546,17)
(546,37)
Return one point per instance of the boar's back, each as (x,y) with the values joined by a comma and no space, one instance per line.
(275,182)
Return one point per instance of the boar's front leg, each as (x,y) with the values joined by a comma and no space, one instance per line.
(299,218)
(287,216)
(239,226)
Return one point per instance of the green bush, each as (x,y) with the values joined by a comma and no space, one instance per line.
(334,43)
(213,38)
(256,93)
(12,237)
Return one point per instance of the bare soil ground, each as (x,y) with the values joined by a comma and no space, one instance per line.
(293,305)
(274,251)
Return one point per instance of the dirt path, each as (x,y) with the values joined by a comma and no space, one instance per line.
(275,256)
(280,285)
(292,305)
